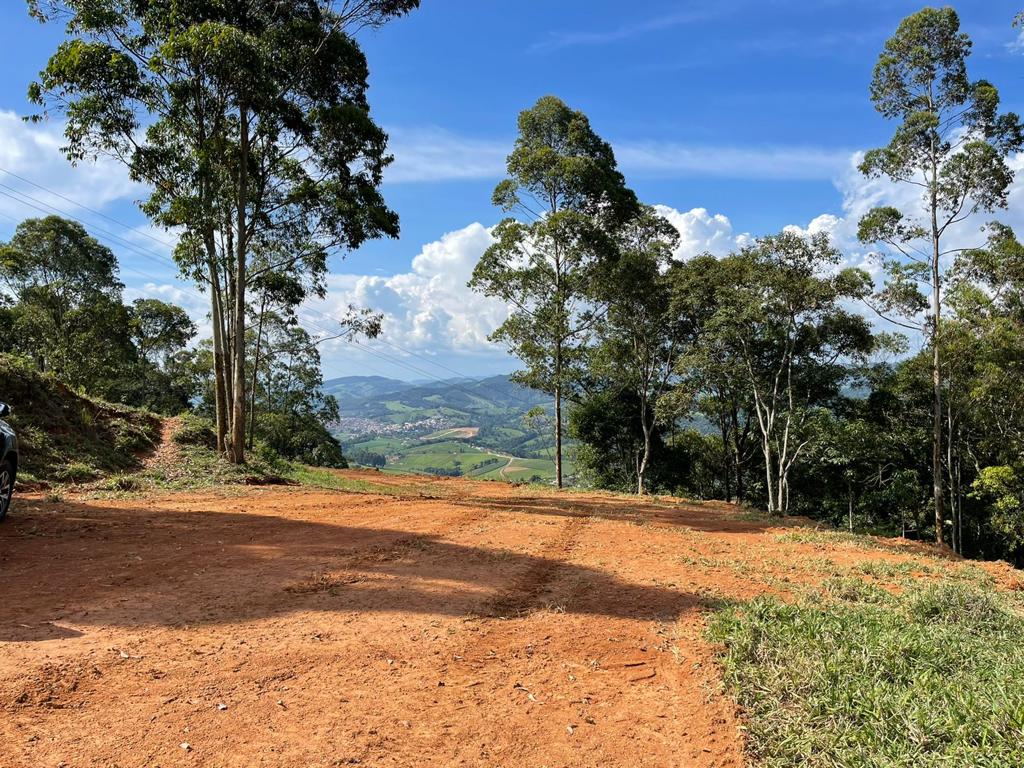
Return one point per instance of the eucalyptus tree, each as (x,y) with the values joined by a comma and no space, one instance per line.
(640,339)
(248,120)
(571,199)
(783,318)
(712,378)
(950,145)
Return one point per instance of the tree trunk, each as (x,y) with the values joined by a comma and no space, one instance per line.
(726,458)
(219,367)
(769,485)
(849,492)
(238,409)
(558,415)
(558,435)
(256,372)
(739,439)
(936,365)
(645,459)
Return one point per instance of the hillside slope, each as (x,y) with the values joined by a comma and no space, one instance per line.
(65,436)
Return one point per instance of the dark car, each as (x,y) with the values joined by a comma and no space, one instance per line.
(9,464)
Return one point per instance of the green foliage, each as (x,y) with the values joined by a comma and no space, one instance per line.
(66,314)
(863,677)
(564,182)
(1003,488)
(195,431)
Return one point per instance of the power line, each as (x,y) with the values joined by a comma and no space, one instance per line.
(86,208)
(49,209)
(42,206)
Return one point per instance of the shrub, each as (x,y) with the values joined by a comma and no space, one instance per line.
(195,430)
(75,472)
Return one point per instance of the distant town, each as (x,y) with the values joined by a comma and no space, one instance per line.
(354,425)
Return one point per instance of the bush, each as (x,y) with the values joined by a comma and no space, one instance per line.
(75,472)
(196,431)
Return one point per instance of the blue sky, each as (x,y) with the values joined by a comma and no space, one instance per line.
(738,117)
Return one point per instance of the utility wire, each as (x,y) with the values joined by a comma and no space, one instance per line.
(48,208)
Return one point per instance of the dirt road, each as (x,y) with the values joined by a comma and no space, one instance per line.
(471,624)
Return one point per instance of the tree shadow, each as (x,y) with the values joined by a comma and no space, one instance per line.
(706,516)
(89,564)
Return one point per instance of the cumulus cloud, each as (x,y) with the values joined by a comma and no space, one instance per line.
(860,194)
(429,309)
(702,232)
(32,152)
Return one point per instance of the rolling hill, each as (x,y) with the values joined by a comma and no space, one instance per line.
(456,426)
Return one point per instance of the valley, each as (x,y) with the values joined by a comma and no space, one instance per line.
(457,428)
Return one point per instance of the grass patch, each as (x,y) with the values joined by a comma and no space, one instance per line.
(855,676)
(823,539)
(315,477)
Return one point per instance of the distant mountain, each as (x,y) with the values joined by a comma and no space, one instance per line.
(494,405)
(348,388)
(387,400)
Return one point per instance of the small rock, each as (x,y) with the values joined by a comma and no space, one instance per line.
(186,746)
(222,707)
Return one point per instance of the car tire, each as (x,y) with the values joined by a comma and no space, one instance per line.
(6,486)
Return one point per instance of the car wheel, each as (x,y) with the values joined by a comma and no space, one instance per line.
(6,486)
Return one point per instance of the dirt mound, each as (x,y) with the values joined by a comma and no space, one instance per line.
(67,437)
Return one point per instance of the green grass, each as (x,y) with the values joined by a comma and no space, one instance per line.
(853,675)
(316,477)
(827,538)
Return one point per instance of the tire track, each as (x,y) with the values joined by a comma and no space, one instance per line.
(545,568)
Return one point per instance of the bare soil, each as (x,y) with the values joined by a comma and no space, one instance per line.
(474,624)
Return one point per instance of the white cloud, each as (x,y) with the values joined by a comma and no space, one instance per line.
(674,160)
(1017,44)
(433,154)
(429,309)
(702,232)
(32,152)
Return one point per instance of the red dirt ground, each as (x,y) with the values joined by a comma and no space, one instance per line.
(473,624)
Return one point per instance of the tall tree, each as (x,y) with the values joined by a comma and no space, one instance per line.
(712,376)
(951,144)
(68,316)
(783,318)
(639,339)
(249,121)
(566,187)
